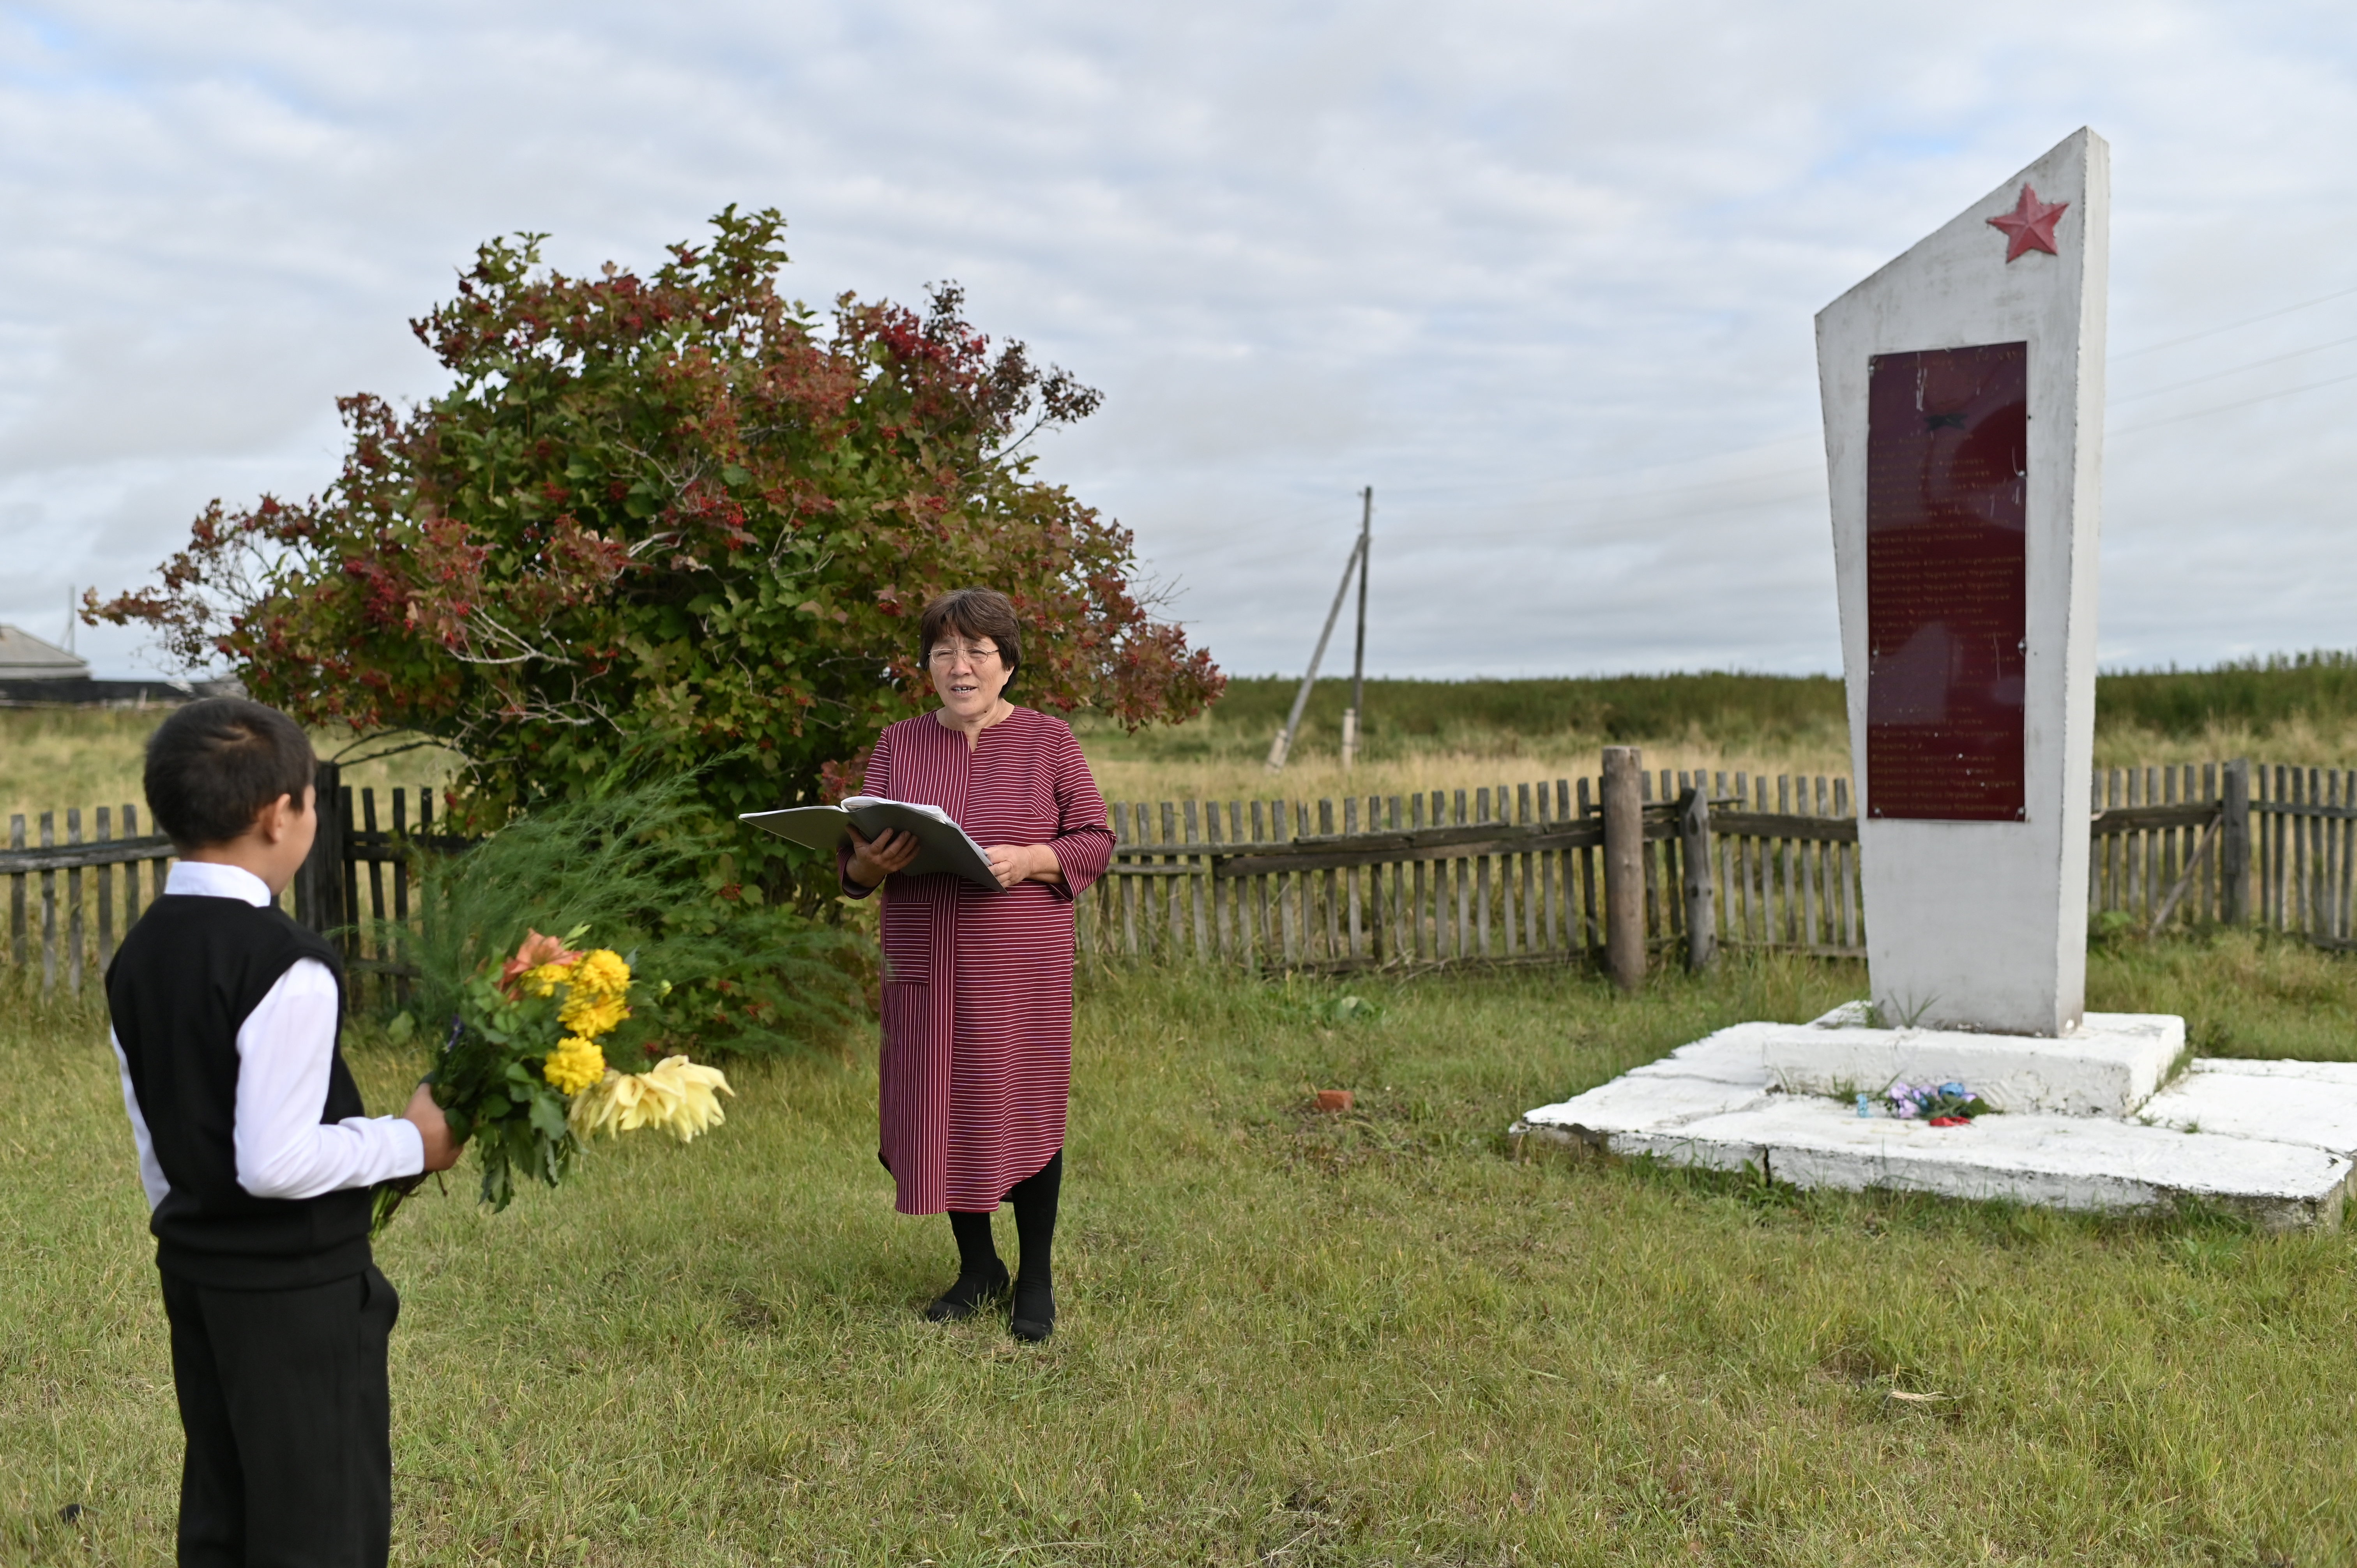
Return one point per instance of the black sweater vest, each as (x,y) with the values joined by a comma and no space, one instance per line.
(188,973)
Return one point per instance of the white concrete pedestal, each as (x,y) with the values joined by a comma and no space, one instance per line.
(2108,1065)
(2274,1139)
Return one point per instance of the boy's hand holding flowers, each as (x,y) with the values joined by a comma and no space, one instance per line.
(523,1073)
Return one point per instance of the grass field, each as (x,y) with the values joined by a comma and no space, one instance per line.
(1285,1338)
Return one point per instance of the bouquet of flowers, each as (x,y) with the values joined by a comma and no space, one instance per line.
(523,1077)
(1943,1105)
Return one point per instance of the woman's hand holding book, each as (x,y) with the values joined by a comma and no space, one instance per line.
(874,860)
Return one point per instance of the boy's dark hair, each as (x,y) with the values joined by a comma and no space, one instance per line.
(213,765)
(970,613)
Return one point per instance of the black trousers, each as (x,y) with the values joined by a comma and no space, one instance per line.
(289,1423)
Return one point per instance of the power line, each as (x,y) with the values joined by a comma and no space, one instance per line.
(1456,490)
(1633,496)
(1261,526)
(2234,371)
(1593,503)
(2245,402)
(1814,494)
(2231,325)
(1493,532)
(1607,473)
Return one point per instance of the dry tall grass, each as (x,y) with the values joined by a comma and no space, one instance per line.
(1207,759)
(1123,774)
(53,759)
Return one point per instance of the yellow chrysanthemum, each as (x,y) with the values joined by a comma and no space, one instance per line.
(601,974)
(587,1013)
(545,980)
(573,1065)
(675,1095)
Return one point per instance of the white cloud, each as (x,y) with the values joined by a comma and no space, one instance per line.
(1542,273)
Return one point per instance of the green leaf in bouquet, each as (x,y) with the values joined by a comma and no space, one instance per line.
(498,1191)
(548,1118)
(516,1149)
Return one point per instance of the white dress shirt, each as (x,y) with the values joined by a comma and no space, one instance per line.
(283,1048)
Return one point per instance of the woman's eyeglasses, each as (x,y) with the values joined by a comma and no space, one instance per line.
(950,654)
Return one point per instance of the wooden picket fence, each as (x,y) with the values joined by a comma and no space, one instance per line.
(66,927)
(2306,851)
(66,896)
(2227,843)
(1510,873)
(1514,874)
(1504,874)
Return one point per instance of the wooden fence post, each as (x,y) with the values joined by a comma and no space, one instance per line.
(17,897)
(1702,920)
(2234,842)
(319,883)
(48,908)
(1624,866)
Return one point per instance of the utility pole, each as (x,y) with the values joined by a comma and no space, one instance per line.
(1282,745)
(1358,659)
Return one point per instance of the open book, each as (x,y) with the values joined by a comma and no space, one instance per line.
(943,846)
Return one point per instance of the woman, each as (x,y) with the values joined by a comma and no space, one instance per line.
(978,1061)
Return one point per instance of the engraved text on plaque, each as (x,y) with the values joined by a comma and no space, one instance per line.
(1946,568)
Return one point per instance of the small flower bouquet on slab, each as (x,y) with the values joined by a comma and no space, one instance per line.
(523,1077)
(1948,1104)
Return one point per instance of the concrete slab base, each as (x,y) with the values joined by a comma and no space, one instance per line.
(2107,1066)
(2273,1140)
(2283,1101)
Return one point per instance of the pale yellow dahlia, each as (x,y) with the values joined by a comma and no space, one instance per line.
(675,1095)
(573,1065)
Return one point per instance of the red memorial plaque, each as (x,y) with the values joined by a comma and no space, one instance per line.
(1946,582)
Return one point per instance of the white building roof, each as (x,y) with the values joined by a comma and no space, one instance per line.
(24,657)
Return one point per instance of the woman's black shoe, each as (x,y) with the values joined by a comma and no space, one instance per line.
(964,1298)
(1034,1312)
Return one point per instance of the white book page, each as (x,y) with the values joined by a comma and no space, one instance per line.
(858,802)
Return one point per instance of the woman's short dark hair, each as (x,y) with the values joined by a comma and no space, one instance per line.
(970,613)
(215,765)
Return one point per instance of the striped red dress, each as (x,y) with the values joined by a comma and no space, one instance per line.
(977,1059)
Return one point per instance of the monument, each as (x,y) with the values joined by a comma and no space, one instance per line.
(1964,408)
(1963,395)
(1963,391)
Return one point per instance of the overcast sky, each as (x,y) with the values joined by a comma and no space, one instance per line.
(1541,274)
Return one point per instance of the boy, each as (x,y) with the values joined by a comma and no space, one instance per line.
(258,1160)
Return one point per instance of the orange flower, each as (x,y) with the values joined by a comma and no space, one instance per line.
(535,951)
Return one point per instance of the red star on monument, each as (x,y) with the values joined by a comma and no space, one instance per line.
(2030,225)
